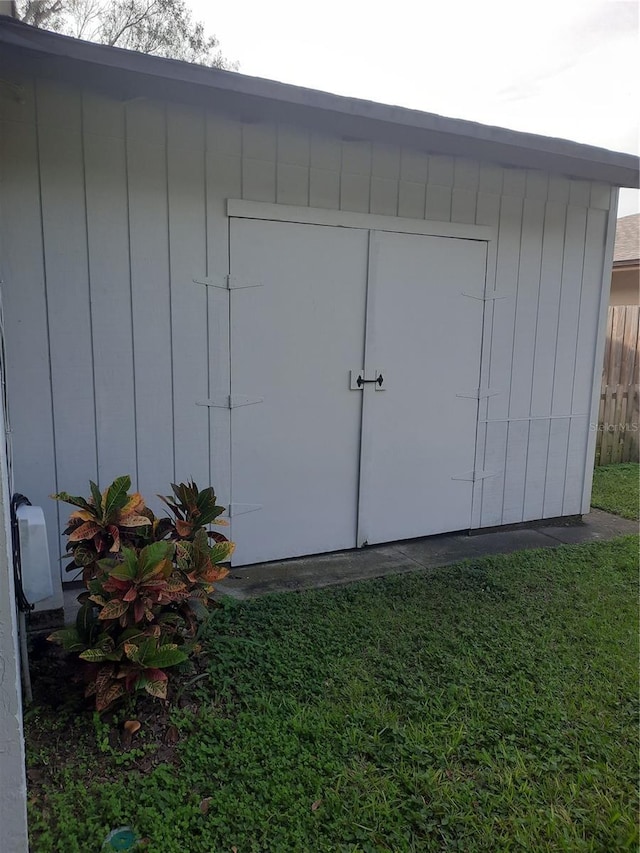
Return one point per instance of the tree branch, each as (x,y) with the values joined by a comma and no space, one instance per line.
(131,23)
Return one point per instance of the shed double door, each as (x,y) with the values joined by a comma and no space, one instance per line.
(354,371)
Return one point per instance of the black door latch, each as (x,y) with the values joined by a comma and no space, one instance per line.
(360,381)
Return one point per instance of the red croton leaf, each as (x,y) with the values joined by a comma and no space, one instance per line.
(131,676)
(85,531)
(114,530)
(113,692)
(183,528)
(215,573)
(108,689)
(100,542)
(154,674)
(217,537)
(116,584)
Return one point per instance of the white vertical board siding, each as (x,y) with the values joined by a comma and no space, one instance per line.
(413,184)
(223,180)
(109,276)
(324,171)
(439,188)
(588,323)
(292,180)
(385,174)
(464,196)
(115,209)
(259,162)
(565,362)
(111,208)
(189,310)
(64,229)
(569,311)
(520,382)
(25,319)
(488,204)
(355,176)
(146,166)
(500,357)
(546,331)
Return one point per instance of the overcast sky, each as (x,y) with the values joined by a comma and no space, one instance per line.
(566,68)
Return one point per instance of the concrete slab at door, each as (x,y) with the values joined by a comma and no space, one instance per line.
(424,336)
(294,339)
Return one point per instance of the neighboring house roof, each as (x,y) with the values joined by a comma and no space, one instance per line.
(627,246)
(136,74)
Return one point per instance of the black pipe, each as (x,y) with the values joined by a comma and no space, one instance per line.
(23,603)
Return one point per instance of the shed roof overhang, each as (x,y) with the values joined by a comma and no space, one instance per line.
(130,75)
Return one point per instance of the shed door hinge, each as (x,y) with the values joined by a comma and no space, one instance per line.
(241,509)
(226,282)
(479,393)
(474,476)
(231,401)
(487,297)
(357,379)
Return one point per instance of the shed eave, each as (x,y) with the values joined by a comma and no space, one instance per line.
(135,74)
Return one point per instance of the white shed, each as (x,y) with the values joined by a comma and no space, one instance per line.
(360,323)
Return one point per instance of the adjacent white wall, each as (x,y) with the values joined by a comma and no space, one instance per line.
(13,783)
(113,209)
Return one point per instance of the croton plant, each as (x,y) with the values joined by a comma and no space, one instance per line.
(148,583)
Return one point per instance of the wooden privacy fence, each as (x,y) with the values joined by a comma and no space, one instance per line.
(619,416)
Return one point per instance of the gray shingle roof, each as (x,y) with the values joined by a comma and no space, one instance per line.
(132,75)
(627,245)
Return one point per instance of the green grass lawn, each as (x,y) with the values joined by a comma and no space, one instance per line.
(616,488)
(485,707)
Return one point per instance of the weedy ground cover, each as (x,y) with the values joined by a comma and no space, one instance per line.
(615,489)
(490,706)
